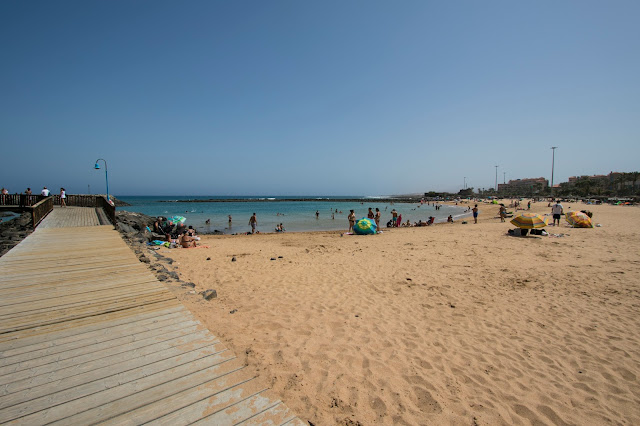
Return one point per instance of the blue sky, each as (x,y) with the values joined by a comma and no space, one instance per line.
(317,98)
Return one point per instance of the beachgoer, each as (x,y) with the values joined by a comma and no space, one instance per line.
(394,217)
(45,192)
(207,222)
(317,214)
(352,220)
(475,214)
(450,219)
(63,197)
(557,211)
(399,220)
(187,240)
(503,213)
(377,218)
(370,214)
(253,222)
(229,220)
(28,191)
(529,205)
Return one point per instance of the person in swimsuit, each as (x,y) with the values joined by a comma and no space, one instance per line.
(352,220)
(63,198)
(253,221)
(475,214)
(377,218)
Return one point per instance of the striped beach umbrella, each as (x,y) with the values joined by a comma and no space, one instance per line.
(579,220)
(365,226)
(530,221)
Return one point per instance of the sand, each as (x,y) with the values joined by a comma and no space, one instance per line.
(450,324)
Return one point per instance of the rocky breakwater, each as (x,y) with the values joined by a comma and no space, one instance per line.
(14,231)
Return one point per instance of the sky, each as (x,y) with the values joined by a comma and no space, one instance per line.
(314,98)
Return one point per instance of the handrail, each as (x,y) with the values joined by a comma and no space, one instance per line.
(40,210)
(109,209)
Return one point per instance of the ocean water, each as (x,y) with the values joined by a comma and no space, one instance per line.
(295,216)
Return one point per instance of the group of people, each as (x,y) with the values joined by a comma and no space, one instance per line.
(176,233)
(25,196)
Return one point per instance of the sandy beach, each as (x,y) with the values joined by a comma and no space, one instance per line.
(448,324)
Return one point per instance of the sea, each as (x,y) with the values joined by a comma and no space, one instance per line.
(295,216)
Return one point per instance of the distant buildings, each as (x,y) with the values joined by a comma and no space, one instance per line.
(529,186)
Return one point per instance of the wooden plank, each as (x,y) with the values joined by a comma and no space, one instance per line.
(239,412)
(47,333)
(100,371)
(111,329)
(123,384)
(108,339)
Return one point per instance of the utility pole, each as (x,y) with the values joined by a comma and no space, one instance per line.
(496,178)
(465,183)
(553,160)
(504,177)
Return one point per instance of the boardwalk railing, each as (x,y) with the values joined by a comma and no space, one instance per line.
(40,206)
(109,209)
(41,209)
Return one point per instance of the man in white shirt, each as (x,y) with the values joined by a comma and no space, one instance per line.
(557,211)
(45,192)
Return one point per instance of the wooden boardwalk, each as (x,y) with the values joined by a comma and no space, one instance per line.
(70,217)
(88,335)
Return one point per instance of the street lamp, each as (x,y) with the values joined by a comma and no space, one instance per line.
(106,174)
(496,178)
(553,159)
(465,183)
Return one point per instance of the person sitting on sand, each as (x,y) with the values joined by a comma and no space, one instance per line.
(187,241)
(450,219)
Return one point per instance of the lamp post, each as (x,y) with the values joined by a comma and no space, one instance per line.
(553,160)
(465,183)
(106,174)
(504,177)
(496,178)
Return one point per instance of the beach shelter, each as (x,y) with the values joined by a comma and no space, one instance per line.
(578,220)
(364,227)
(530,221)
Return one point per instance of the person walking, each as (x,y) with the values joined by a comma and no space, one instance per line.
(475,214)
(63,198)
(253,222)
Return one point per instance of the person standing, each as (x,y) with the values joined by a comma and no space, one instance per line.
(253,221)
(230,221)
(377,219)
(45,192)
(63,198)
(352,220)
(370,214)
(503,212)
(475,214)
(394,217)
(317,214)
(557,211)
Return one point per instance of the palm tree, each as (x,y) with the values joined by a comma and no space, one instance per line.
(634,178)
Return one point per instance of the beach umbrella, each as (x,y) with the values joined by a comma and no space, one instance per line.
(530,221)
(365,226)
(177,219)
(578,220)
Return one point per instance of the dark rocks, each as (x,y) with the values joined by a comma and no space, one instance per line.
(209,294)
(273,258)
(162,277)
(233,311)
(174,275)
(208,258)
(14,231)
(144,259)
(192,285)
(233,259)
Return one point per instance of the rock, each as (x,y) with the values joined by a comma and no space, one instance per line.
(174,275)
(233,259)
(280,257)
(208,258)
(209,294)
(162,277)
(192,285)
(144,259)
(273,258)
(233,311)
